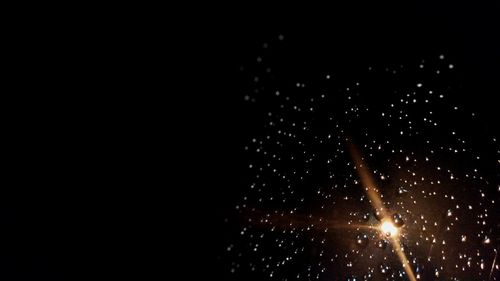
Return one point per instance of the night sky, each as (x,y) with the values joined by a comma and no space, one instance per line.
(297,96)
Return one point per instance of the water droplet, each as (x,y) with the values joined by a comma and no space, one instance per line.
(384,269)
(397,220)
(378,214)
(366,216)
(362,240)
(402,190)
(486,240)
(382,244)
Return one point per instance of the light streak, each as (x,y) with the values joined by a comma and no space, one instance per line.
(493,264)
(377,203)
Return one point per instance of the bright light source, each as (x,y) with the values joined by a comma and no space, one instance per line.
(388,228)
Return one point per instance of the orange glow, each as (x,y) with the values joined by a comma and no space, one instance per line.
(376,201)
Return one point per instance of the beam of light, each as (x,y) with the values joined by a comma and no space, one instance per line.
(377,203)
(430,250)
(256,217)
(493,264)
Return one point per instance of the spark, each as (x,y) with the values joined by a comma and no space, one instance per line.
(377,203)
(388,228)
(493,264)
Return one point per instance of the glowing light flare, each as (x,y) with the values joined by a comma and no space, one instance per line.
(376,201)
(388,228)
